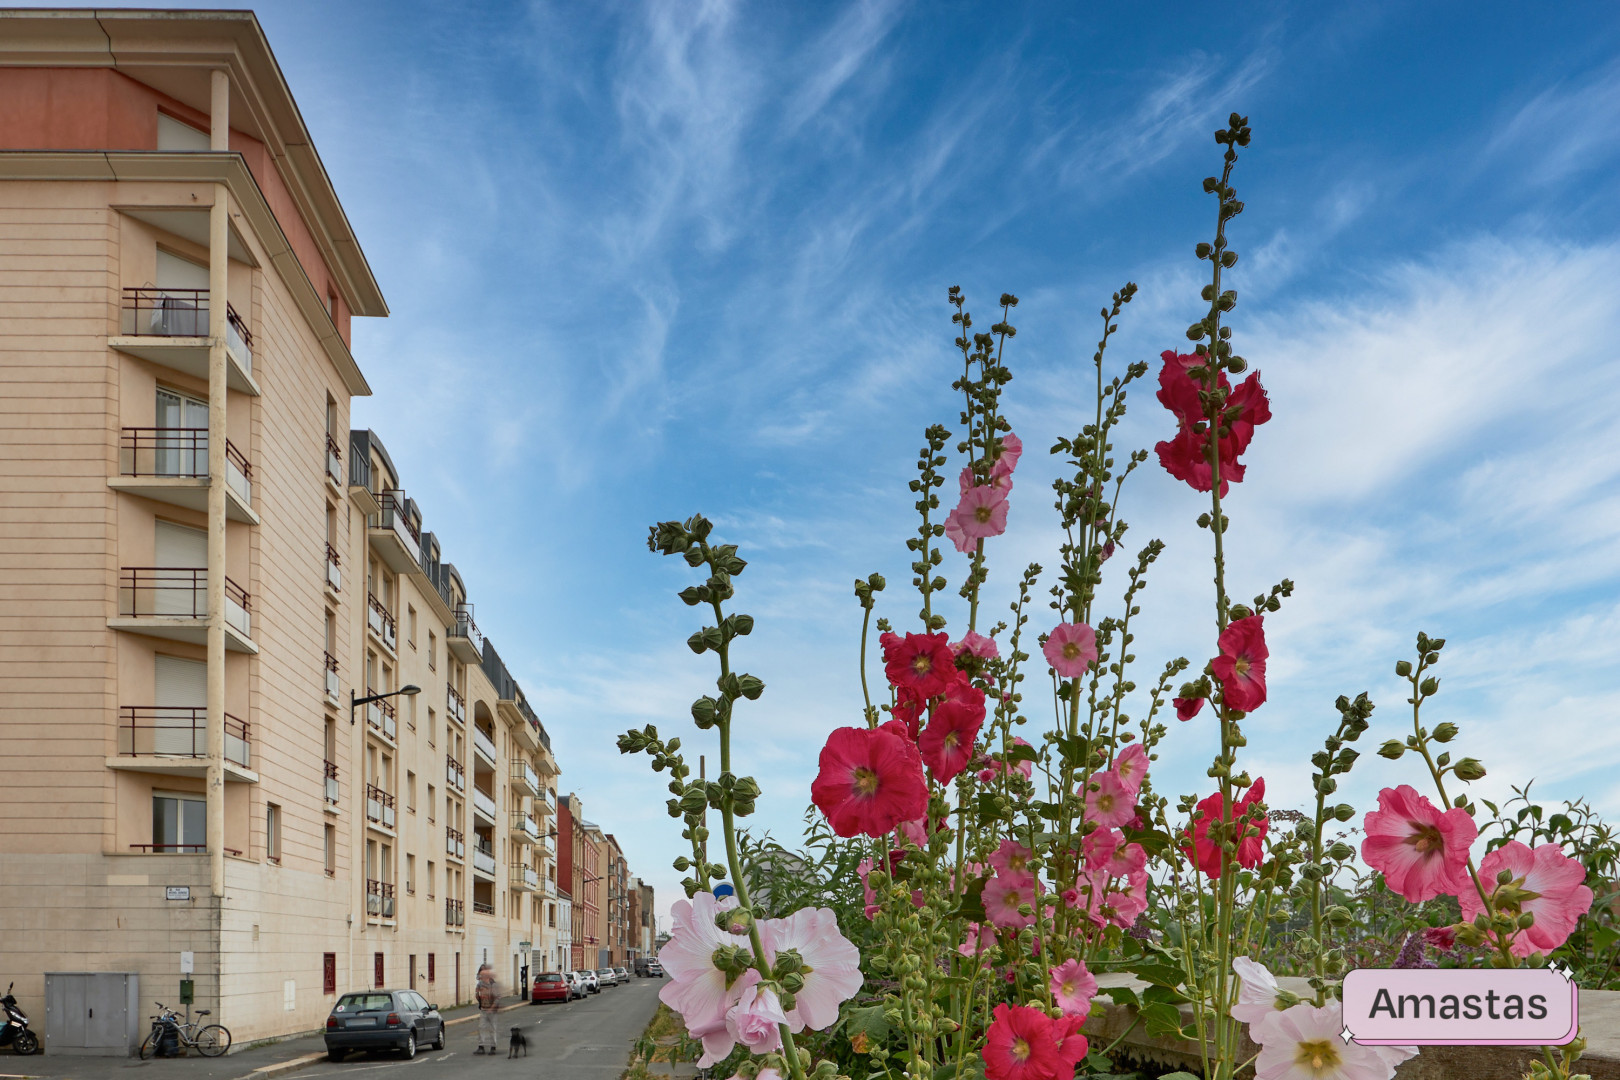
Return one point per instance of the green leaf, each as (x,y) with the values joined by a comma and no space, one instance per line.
(972,908)
(1160,1018)
(1122,995)
(1178,1076)
(868,1021)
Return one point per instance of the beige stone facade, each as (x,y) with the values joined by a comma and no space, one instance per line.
(201,565)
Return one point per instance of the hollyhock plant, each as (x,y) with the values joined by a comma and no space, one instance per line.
(1023,1043)
(1257,990)
(1421,851)
(1010,859)
(1073,987)
(1012,448)
(1250,850)
(1544,882)
(1303,1043)
(976,644)
(1241,667)
(870,780)
(997,766)
(1131,766)
(1109,802)
(831,966)
(756,1019)
(1186,456)
(1187,708)
(1004,894)
(698,990)
(1070,648)
(982,512)
(919,666)
(946,743)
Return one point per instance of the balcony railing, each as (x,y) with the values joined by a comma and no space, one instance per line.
(525,778)
(180,453)
(484,861)
(379,806)
(334,574)
(548,843)
(334,688)
(380,898)
(150,312)
(525,878)
(550,887)
(466,628)
(331,783)
(481,908)
(334,460)
(179,592)
(454,774)
(359,468)
(454,913)
(381,622)
(524,828)
(456,707)
(179,731)
(381,716)
(484,744)
(454,843)
(394,516)
(484,804)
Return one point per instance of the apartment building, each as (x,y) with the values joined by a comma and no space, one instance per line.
(254,739)
(583,872)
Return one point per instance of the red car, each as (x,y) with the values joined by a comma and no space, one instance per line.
(551,986)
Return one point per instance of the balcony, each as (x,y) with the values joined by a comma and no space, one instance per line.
(525,781)
(548,844)
(334,575)
(379,899)
(331,784)
(380,621)
(170,327)
(455,914)
(484,745)
(524,879)
(483,805)
(454,706)
(484,862)
(465,640)
(455,845)
(170,465)
(379,806)
(334,461)
(172,602)
(547,803)
(175,739)
(395,536)
(525,830)
(334,689)
(381,718)
(549,886)
(482,908)
(454,775)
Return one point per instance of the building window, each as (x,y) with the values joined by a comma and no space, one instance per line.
(432,803)
(329,973)
(179,823)
(272,832)
(410,792)
(551,914)
(433,651)
(331,851)
(410,873)
(433,727)
(430,880)
(377,969)
(410,625)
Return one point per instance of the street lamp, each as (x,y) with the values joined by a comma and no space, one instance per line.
(355,703)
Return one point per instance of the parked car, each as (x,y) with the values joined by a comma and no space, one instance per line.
(607,976)
(623,973)
(551,986)
(655,970)
(592,983)
(399,1020)
(576,984)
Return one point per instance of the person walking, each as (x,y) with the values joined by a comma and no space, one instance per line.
(488,997)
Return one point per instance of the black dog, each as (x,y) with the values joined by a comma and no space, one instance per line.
(518,1043)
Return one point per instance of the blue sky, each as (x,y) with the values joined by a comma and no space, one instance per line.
(651,259)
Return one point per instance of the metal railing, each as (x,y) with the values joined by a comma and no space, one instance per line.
(481,908)
(359,468)
(484,804)
(332,782)
(163,312)
(455,914)
(380,715)
(334,686)
(178,731)
(380,898)
(484,860)
(334,460)
(454,842)
(466,628)
(181,849)
(379,806)
(483,742)
(454,773)
(177,592)
(334,573)
(179,453)
(381,621)
(523,824)
(524,775)
(456,706)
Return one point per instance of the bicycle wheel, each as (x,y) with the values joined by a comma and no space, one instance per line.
(149,1047)
(213,1041)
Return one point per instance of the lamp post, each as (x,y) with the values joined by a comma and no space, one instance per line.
(355,703)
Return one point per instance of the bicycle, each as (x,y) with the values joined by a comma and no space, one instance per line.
(211,1040)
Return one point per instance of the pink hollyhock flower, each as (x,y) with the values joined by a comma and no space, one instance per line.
(967,480)
(1546,882)
(1443,938)
(754,1021)
(915,830)
(1257,990)
(1188,707)
(1126,862)
(982,512)
(1131,766)
(1250,850)
(998,766)
(1070,648)
(1241,667)
(947,742)
(1073,987)
(1108,802)
(953,532)
(981,938)
(1421,851)
(976,644)
(863,868)
(1023,1043)
(919,666)
(1003,895)
(1303,1043)
(1185,457)
(1010,860)
(870,781)
(832,966)
(698,990)
(1099,847)
(1012,448)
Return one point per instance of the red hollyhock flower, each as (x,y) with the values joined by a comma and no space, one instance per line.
(1250,850)
(1188,707)
(1019,1044)
(908,712)
(919,666)
(1186,456)
(947,742)
(870,780)
(1241,667)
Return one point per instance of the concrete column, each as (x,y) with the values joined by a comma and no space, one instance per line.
(218,278)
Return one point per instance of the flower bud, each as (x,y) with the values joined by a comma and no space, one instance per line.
(1468,769)
(1445,732)
(1341,851)
(1391,750)
(1344,811)
(1339,915)
(1429,687)
(1286,999)
(1403,668)
(1527,920)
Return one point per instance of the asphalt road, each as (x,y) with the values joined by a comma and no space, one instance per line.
(582,1040)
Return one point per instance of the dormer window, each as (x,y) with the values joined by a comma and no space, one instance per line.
(177,135)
